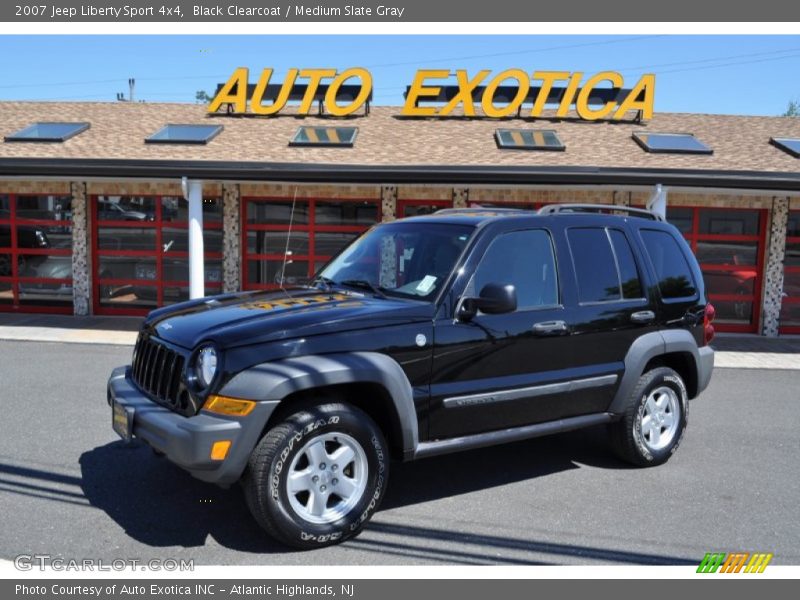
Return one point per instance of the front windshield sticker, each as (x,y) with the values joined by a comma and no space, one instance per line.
(426,284)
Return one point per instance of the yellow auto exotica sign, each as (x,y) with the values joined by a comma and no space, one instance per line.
(427,85)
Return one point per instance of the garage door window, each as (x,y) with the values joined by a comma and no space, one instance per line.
(141,251)
(790,308)
(35,253)
(287,241)
(729,245)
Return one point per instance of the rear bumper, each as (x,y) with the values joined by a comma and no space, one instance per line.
(187,441)
(705,366)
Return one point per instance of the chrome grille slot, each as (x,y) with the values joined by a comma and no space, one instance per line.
(157,370)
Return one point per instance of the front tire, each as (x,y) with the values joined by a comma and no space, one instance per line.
(654,419)
(316,478)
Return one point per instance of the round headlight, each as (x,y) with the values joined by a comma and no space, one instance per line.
(206,366)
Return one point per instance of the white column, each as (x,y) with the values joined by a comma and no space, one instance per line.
(193,190)
(658,201)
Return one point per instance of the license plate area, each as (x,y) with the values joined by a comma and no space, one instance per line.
(122,420)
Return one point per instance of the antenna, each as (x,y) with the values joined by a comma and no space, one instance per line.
(288,237)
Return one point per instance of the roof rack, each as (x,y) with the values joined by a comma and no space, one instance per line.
(482,209)
(553,209)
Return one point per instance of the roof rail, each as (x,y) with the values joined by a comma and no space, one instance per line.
(482,209)
(553,209)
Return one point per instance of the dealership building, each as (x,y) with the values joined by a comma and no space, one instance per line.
(97,200)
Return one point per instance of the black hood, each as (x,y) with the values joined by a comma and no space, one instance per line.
(255,317)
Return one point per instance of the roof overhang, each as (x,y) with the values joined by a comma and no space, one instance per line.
(396,174)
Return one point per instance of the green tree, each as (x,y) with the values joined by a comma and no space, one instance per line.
(201,97)
(793,110)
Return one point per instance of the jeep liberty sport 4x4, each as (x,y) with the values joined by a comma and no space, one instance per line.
(426,335)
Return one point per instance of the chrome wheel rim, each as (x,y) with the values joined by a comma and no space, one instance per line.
(660,418)
(327,478)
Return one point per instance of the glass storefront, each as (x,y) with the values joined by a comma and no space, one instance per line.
(729,245)
(305,233)
(790,308)
(141,251)
(35,253)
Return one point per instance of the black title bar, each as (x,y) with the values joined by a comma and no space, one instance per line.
(277,11)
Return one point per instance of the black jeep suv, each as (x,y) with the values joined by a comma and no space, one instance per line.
(427,335)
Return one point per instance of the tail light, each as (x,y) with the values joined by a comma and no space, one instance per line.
(708,327)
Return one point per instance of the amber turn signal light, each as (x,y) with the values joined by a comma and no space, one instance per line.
(220,449)
(229,406)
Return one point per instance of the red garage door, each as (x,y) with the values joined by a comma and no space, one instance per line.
(729,244)
(315,229)
(141,252)
(35,253)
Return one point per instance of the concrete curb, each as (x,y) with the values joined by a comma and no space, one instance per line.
(756,360)
(69,336)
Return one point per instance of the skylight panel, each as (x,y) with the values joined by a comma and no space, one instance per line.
(47,132)
(788,145)
(670,143)
(184,134)
(324,136)
(528,139)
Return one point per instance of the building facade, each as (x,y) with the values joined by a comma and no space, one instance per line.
(98,223)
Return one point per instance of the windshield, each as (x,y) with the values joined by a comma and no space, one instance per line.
(410,259)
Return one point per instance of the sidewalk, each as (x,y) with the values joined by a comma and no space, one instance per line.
(733,350)
(64,328)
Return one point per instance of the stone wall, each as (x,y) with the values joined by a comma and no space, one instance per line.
(81,250)
(35,187)
(420,192)
(388,203)
(773,274)
(231,238)
(287,190)
(460,197)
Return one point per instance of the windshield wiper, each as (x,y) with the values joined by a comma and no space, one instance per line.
(326,281)
(364,284)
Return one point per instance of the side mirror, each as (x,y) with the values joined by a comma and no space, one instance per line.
(494,299)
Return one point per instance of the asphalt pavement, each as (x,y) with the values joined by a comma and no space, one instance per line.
(70,488)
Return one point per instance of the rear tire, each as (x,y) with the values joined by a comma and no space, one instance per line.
(316,478)
(654,420)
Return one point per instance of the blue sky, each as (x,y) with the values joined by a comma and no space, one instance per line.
(707,73)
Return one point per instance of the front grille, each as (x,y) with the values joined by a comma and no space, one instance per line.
(157,371)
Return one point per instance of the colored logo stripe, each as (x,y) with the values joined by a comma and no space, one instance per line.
(734,562)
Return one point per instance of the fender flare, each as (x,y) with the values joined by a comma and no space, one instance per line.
(274,381)
(645,348)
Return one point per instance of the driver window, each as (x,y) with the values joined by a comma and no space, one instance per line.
(525,260)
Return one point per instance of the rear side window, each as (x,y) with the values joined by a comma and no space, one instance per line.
(604,265)
(630,283)
(674,274)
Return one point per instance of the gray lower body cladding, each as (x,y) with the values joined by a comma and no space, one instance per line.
(187,441)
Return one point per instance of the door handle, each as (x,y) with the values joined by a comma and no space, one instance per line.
(549,327)
(643,316)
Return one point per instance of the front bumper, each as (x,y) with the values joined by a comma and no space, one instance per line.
(187,441)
